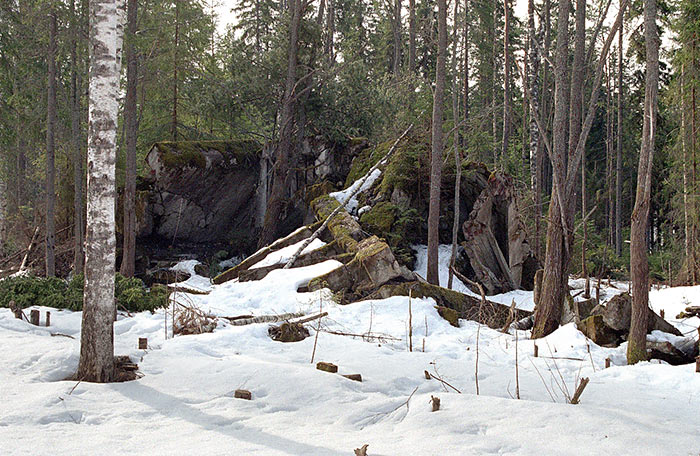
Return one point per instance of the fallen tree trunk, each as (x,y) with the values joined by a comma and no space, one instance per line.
(236,321)
(490,313)
(327,252)
(32,243)
(293,238)
(347,200)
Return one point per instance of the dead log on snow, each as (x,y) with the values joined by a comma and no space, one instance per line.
(238,321)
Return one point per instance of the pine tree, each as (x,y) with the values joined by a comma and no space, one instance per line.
(639,265)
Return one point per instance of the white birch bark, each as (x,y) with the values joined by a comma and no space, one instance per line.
(97,335)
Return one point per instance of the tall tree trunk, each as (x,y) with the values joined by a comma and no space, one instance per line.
(396,28)
(506,81)
(684,147)
(51,150)
(693,151)
(330,28)
(639,265)
(78,221)
(21,162)
(465,73)
(565,169)
(176,63)
(544,164)
(533,64)
(97,330)
(455,143)
(494,79)
(548,310)
(275,203)
(437,148)
(412,37)
(618,164)
(131,119)
(3,212)
(575,117)
(610,203)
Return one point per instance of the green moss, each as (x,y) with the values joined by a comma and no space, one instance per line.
(443,297)
(380,218)
(344,258)
(177,154)
(339,224)
(181,158)
(403,169)
(448,314)
(396,224)
(357,141)
(636,352)
(314,191)
(370,247)
(365,161)
(317,283)
(324,206)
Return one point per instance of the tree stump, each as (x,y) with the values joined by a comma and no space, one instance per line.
(327,367)
(243,394)
(355,377)
(288,332)
(435,401)
(143,343)
(34,317)
(48,318)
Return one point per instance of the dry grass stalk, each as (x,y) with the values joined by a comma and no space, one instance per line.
(410,323)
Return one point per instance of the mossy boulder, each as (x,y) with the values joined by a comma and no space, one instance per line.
(595,328)
(194,154)
(403,190)
(344,229)
(380,218)
(448,314)
(364,161)
(372,266)
(204,190)
(396,224)
(314,191)
(609,323)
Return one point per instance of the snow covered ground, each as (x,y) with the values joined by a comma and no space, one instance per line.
(184,403)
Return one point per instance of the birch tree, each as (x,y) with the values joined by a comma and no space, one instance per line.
(97,331)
